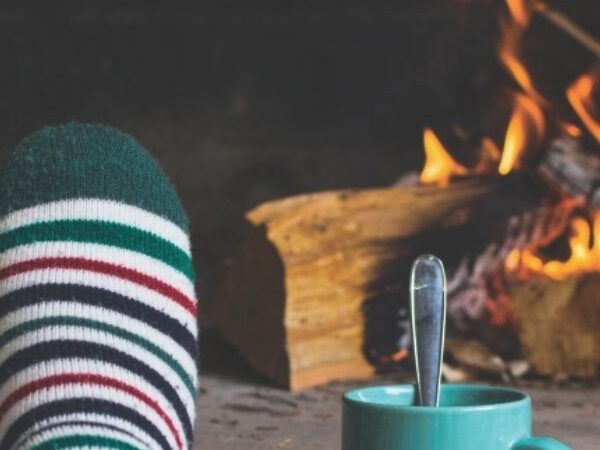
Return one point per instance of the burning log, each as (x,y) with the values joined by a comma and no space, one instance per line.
(468,284)
(318,278)
(476,287)
(572,172)
(559,324)
(293,298)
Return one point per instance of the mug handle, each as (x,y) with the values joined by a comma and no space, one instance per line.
(539,443)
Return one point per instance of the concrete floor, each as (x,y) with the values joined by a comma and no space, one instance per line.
(249,416)
(238,410)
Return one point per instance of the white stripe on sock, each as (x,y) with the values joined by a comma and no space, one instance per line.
(98,209)
(139,262)
(74,333)
(126,323)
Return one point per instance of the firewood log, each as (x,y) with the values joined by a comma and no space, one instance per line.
(559,324)
(292,297)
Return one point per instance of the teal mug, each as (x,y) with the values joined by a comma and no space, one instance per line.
(469,417)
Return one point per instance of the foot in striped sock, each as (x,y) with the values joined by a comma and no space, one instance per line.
(97,306)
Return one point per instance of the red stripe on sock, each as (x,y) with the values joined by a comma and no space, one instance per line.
(88,378)
(105,268)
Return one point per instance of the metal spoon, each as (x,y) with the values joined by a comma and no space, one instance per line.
(428,322)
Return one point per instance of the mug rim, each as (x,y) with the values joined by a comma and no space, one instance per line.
(522,399)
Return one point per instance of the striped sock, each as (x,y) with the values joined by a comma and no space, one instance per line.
(97,305)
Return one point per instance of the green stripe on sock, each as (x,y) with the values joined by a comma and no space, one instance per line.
(36,324)
(99,232)
(83,440)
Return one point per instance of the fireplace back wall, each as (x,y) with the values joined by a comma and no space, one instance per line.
(244,102)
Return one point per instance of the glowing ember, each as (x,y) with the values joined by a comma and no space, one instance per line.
(513,260)
(579,95)
(439,165)
(526,126)
(500,310)
(396,356)
(571,129)
(585,254)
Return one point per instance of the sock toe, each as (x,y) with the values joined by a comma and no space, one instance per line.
(97,305)
(86,161)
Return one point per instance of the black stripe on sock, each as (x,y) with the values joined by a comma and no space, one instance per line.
(47,351)
(79,405)
(103,298)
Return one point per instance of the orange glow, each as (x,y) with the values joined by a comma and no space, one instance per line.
(571,129)
(584,257)
(511,264)
(579,95)
(439,165)
(489,156)
(396,356)
(526,126)
(521,11)
(500,310)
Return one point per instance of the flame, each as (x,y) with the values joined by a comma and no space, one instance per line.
(521,11)
(584,256)
(509,51)
(512,261)
(524,128)
(439,165)
(397,356)
(570,129)
(579,95)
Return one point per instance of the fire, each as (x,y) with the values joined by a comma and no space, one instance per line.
(527,118)
(525,127)
(584,256)
(439,165)
(509,54)
(396,356)
(579,95)
(571,129)
(521,11)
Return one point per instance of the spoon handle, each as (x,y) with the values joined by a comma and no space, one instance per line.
(428,322)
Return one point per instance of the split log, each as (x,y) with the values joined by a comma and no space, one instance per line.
(559,324)
(292,298)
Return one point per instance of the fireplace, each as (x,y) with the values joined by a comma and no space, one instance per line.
(508,199)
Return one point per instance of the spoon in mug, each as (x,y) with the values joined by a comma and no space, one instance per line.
(428,323)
